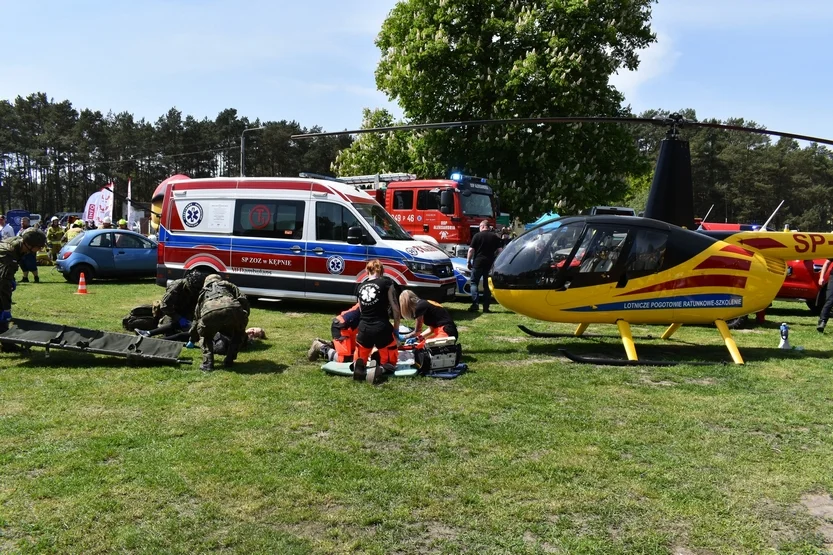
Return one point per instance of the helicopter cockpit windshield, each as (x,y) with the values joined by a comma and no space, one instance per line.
(532,260)
(563,253)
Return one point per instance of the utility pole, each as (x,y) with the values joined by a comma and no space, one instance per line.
(243,148)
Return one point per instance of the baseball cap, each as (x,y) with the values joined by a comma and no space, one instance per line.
(108,220)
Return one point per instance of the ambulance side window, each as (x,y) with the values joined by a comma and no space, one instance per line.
(281,219)
(332,221)
(428,200)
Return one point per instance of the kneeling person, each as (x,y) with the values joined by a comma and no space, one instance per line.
(432,314)
(221,308)
(343,331)
(376,296)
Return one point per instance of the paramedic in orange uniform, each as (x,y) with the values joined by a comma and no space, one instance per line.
(343,345)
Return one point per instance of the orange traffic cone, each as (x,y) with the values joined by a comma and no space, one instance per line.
(82,285)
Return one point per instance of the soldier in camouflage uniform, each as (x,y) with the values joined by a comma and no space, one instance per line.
(11,252)
(221,308)
(177,305)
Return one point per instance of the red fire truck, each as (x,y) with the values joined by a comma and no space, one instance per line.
(448,210)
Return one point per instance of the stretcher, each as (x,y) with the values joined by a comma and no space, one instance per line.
(439,359)
(29,333)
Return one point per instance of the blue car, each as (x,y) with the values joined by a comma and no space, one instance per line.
(107,253)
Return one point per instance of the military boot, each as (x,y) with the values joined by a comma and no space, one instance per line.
(207,362)
(231,355)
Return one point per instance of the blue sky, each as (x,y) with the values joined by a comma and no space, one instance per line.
(313,61)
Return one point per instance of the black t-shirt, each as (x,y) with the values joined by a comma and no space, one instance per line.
(485,245)
(433,314)
(374,300)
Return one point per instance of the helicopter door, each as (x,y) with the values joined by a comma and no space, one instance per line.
(599,259)
(645,256)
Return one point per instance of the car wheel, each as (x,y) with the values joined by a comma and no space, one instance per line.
(74,274)
(815,305)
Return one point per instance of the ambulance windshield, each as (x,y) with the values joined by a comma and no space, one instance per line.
(381,222)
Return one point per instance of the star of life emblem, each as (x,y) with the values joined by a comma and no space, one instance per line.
(369,294)
(192,214)
(335,264)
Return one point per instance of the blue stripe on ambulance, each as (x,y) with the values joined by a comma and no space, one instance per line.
(248,244)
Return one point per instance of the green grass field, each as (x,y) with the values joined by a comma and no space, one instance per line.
(526,453)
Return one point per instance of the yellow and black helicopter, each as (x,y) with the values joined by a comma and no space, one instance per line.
(642,270)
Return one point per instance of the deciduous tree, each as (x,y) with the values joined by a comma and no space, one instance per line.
(448,60)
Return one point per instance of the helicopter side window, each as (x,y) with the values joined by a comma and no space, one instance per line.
(602,250)
(648,252)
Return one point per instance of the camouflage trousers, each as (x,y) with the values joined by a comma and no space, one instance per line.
(231,322)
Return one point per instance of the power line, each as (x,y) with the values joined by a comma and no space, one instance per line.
(151,157)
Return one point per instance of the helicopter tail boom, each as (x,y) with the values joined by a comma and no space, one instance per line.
(785,245)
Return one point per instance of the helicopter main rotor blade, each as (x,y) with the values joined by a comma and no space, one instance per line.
(758,131)
(672,120)
(480,123)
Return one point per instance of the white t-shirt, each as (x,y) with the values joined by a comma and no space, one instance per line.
(6,232)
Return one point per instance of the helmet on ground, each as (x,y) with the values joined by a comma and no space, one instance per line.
(35,238)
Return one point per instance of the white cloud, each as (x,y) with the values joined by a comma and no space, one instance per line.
(656,60)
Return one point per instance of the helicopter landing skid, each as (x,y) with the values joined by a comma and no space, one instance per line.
(602,361)
(578,333)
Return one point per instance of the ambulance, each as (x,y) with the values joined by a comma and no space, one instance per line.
(290,238)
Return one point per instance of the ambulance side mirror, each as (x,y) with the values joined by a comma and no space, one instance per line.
(355,235)
(447,201)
